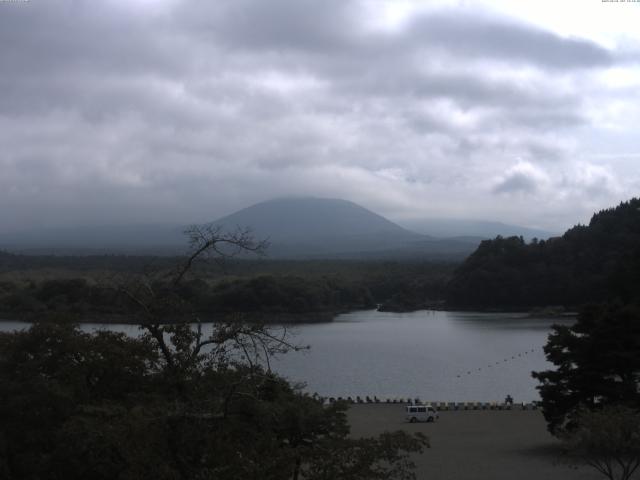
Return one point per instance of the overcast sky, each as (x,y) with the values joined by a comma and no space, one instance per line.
(122,111)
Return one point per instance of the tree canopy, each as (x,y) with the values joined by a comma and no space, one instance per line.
(593,263)
(173,403)
(608,440)
(597,364)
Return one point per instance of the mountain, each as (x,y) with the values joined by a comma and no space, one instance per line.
(295,228)
(318,227)
(334,228)
(445,228)
(306,219)
(592,263)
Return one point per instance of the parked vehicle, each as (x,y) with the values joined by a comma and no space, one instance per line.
(421,413)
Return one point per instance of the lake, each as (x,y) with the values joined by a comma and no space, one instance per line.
(437,356)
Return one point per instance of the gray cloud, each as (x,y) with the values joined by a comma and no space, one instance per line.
(64,36)
(305,25)
(517,182)
(483,36)
(189,110)
(332,27)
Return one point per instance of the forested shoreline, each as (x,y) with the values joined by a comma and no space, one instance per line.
(268,291)
(588,264)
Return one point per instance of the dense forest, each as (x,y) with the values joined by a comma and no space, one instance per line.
(592,263)
(268,290)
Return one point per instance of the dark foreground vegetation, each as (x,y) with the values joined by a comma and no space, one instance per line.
(591,398)
(173,404)
(597,363)
(105,406)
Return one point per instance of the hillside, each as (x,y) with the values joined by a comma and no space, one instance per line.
(295,228)
(591,263)
(334,228)
(309,219)
(447,228)
(318,226)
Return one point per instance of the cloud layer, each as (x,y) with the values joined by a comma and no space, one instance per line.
(127,111)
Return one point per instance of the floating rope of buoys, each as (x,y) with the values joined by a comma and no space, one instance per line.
(504,360)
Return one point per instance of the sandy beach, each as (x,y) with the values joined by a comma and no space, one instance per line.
(472,445)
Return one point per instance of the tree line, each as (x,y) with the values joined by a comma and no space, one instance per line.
(265,294)
(296,288)
(591,398)
(593,263)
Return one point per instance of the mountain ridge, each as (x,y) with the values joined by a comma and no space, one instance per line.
(297,227)
(448,228)
(293,218)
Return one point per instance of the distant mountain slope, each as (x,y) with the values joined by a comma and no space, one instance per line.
(295,228)
(319,227)
(591,263)
(444,228)
(307,219)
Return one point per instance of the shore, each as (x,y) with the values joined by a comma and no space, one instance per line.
(476,444)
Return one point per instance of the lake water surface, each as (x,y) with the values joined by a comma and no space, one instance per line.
(437,356)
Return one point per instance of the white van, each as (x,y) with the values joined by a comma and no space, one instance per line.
(421,413)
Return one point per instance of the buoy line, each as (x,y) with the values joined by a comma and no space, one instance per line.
(497,363)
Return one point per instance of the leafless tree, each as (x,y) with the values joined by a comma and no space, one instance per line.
(176,326)
(608,440)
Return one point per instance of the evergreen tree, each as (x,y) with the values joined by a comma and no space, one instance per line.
(597,363)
